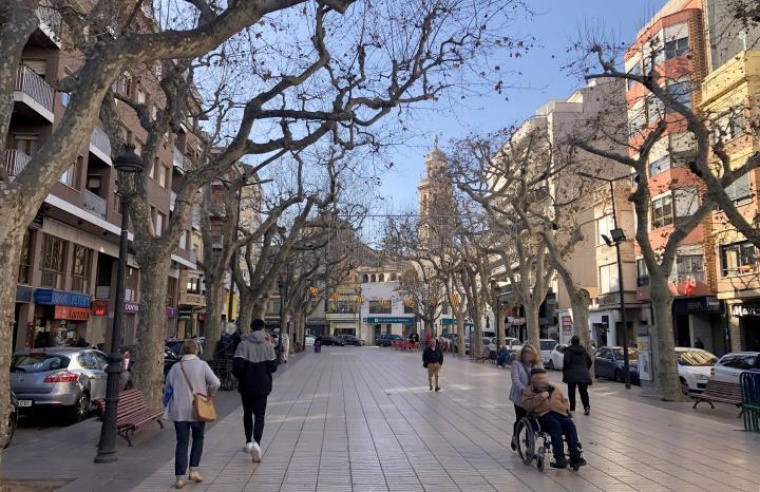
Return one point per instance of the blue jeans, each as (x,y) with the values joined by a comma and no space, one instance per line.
(183,431)
(557,425)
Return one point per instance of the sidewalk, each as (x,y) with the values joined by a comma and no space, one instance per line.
(362,419)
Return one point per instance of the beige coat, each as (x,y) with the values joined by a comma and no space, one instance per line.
(541,403)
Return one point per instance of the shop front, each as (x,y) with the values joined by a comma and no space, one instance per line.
(60,318)
(396,325)
(748,314)
(700,317)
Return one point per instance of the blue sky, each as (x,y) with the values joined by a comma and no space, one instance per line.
(556,26)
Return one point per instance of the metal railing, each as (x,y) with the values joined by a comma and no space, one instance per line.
(99,139)
(34,86)
(187,163)
(95,204)
(50,20)
(14,161)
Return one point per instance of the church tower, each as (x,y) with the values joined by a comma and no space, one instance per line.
(436,198)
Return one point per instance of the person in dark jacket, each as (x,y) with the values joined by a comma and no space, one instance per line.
(575,372)
(432,358)
(253,365)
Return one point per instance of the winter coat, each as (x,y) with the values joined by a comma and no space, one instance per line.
(520,380)
(432,356)
(545,402)
(576,365)
(178,396)
(253,365)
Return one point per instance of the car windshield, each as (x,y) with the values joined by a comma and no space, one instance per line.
(632,353)
(38,363)
(696,358)
(547,344)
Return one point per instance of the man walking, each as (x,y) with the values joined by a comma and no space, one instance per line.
(253,365)
(432,358)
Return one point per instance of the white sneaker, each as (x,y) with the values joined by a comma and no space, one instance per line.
(256,453)
(248,448)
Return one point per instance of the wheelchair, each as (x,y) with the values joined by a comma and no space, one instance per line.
(533,444)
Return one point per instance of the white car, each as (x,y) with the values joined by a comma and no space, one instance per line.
(694,367)
(547,345)
(309,340)
(731,366)
(557,357)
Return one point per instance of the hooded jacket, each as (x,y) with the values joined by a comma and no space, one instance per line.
(576,365)
(253,365)
(544,402)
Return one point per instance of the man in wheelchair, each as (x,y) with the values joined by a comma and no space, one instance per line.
(551,408)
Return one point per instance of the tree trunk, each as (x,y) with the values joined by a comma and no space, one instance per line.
(531,320)
(477,335)
(214,304)
(579,301)
(148,371)
(246,309)
(666,370)
(460,334)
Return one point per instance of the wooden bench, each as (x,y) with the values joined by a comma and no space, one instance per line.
(132,413)
(722,392)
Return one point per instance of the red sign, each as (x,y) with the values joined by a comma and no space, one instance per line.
(71,313)
(100,308)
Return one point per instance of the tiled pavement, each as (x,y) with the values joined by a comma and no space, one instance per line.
(362,419)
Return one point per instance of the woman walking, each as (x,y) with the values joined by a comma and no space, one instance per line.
(191,375)
(527,360)
(575,372)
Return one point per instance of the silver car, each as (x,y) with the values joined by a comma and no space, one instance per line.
(64,378)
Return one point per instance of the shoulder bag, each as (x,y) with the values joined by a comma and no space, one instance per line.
(203,405)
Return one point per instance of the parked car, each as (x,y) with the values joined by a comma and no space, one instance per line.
(694,366)
(351,340)
(546,347)
(66,378)
(332,340)
(732,365)
(608,363)
(170,358)
(386,339)
(557,357)
(12,419)
(176,345)
(309,340)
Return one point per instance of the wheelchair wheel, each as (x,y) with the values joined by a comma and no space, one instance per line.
(526,445)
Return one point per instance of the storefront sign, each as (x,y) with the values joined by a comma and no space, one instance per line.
(71,313)
(697,305)
(59,298)
(186,313)
(131,307)
(742,310)
(390,320)
(171,312)
(448,321)
(100,308)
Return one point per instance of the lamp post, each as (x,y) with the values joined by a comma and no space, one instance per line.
(127,162)
(616,238)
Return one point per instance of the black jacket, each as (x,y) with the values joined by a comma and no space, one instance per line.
(253,365)
(432,356)
(576,365)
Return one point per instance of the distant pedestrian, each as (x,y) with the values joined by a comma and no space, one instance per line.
(698,344)
(575,372)
(432,359)
(527,360)
(253,365)
(189,376)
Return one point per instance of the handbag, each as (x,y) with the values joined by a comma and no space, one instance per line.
(203,405)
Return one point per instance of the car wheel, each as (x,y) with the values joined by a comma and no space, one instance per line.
(684,387)
(12,423)
(618,376)
(551,365)
(81,408)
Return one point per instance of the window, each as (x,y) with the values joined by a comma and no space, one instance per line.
(162,176)
(72,177)
(609,280)
(154,168)
(737,259)
(160,221)
(382,306)
(446,309)
(729,125)
(183,240)
(410,307)
(662,211)
(740,191)
(53,262)
(686,203)
(659,165)
(681,92)
(140,96)
(676,48)
(394,277)
(81,266)
(635,70)
(381,278)
(603,226)
(365,278)
(25,262)
(655,108)
(193,285)
(687,267)
(642,273)
(373,278)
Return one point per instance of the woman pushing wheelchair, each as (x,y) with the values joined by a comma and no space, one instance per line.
(546,401)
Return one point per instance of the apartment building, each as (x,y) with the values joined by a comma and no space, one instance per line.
(66,282)
(674,43)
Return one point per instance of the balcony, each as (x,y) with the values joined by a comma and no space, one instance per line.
(172,200)
(191,299)
(50,24)
(178,160)
(100,145)
(14,161)
(32,90)
(95,204)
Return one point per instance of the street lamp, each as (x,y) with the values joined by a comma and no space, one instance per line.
(126,162)
(616,238)
(282,287)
